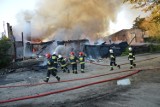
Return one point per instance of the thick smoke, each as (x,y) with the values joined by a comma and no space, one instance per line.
(71,19)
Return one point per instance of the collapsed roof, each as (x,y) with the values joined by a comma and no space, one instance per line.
(102,51)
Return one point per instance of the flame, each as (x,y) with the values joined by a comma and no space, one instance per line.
(36,40)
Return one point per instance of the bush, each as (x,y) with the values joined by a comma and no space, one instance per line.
(125,52)
(151,48)
(153,39)
(5,45)
(154,48)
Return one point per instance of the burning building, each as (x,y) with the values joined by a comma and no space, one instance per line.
(67,22)
(39,48)
(65,47)
(61,47)
(102,50)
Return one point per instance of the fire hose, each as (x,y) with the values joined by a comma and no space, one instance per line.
(12,86)
(70,89)
(77,87)
(67,89)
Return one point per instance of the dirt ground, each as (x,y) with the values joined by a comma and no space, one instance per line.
(143,91)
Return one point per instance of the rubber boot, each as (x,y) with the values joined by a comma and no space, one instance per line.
(82,70)
(111,69)
(58,78)
(134,65)
(64,71)
(46,80)
(119,66)
(76,72)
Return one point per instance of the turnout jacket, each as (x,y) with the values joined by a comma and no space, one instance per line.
(54,58)
(112,57)
(51,64)
(82,59)
(73,59)
(62,62)
(131,56)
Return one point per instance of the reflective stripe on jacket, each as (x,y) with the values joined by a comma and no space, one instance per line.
(50,64)
(131,56)
(81,60)
(54,58)
(62,62)
(73,59)
(112,57)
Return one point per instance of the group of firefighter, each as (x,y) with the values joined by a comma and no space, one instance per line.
(58,60)
(131,58)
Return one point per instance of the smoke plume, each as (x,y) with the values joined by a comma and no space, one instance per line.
(70,19)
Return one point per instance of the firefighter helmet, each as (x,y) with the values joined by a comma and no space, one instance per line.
(80,53)
(59,56)
(130,48)
(54,53)
(48,55)
(71,53)
(111,51)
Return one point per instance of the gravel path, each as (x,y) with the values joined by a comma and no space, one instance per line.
(144,91)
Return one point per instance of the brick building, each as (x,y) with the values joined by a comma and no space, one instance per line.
(128,35)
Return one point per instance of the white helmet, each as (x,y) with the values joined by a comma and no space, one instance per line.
(59,56)
(111,51)
(130,48)
(54,53)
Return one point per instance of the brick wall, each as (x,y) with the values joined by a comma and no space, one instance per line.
(127,35)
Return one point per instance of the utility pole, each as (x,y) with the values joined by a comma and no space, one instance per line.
(4,33)
(23,44)
(134,37)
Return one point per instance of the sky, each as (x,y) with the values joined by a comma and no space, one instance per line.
(125,18)
(9,9)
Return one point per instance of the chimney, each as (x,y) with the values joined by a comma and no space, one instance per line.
(27,37)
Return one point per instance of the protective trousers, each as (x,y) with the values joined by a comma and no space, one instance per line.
(65,68)
(113,63)
(82,67)
(74,68)
(132,64)
(53,72)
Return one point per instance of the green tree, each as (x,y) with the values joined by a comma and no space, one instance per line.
(150,24)
(151,28)
(148,5)
(138,22)
(4,47)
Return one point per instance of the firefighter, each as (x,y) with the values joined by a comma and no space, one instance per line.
(131,57)
(51,68)
(82,61)
(73,60)
(63,63)
(112,60)
(55,59)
